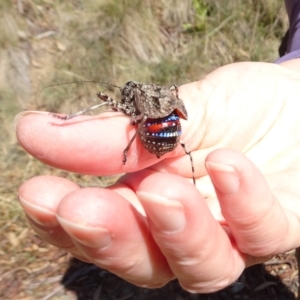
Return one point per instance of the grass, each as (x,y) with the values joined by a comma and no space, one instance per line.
(51,41)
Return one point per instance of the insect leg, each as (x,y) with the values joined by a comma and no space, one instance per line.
(174,88)
(67,117)
(117,106)
(107,101)
(191,159)
(133,138)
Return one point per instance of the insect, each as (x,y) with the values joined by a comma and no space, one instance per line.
(156,111)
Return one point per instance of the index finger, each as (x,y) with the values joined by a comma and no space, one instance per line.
(94,144)
(86,144)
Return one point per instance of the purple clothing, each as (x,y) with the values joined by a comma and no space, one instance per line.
(293,42)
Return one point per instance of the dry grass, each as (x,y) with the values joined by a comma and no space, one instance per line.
(48,41)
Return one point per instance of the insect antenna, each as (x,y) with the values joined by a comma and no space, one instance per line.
(81,81)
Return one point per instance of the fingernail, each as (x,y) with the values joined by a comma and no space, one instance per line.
(38,214)
(94,237)
(22,114)
(167,215)
(224,177)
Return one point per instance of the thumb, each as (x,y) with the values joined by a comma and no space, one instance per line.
(256,219)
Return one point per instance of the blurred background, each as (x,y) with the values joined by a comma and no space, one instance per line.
(50,41)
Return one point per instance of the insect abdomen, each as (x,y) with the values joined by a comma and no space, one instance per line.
(161,135)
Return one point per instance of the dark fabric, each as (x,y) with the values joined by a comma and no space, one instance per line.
(291,42)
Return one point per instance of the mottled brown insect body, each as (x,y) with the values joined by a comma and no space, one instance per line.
(157,112)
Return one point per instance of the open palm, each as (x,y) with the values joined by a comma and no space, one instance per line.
(154,225)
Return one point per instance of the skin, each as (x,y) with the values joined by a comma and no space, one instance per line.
(154,225)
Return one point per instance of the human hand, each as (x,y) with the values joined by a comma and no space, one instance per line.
(153,225)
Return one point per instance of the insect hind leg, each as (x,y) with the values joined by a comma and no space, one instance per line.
(108,101)
(67,117)
(189,153)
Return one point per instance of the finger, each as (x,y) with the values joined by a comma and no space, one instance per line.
(40,197)
(257,221)
(76,144)
(96,225)
(112,234)
(194,244)
(90,145)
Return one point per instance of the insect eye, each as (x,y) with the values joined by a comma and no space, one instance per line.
(130,84)
(128,89)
